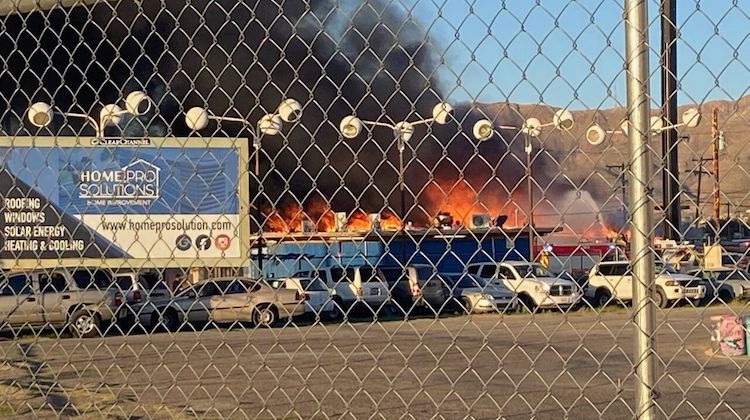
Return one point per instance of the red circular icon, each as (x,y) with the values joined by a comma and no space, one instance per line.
(223,242)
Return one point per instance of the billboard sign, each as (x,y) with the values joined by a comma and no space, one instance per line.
(162,203)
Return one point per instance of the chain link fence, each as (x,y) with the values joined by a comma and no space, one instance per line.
(379,209)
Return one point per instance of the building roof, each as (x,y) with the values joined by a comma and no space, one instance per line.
(380,235)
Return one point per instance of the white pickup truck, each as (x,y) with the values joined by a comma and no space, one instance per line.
(612,281)
(535,285)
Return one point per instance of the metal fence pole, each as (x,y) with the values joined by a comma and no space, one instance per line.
(641,208)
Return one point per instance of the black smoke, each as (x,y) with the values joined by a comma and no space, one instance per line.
(241,58)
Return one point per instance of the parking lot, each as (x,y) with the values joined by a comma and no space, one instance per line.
(545,366)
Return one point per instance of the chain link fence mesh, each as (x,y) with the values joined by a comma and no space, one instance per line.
(387,208)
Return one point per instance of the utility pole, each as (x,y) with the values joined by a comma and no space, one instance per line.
(700,171)
(622,175)
(670,172)
(717,188)
(528,148)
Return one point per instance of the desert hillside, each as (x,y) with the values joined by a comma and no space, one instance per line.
(578,159)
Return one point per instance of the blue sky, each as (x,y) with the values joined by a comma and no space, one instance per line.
(570,53)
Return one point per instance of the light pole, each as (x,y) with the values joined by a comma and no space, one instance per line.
(289,110)
(562,120)
(596,135)
(351,126)
(137,103)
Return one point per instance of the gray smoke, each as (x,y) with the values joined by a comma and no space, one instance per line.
(241,59)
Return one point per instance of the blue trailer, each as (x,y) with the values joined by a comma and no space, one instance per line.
(448,250)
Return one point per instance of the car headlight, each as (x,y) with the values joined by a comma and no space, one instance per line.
(487,296)
(672,283)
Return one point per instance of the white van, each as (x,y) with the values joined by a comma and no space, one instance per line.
(353,285)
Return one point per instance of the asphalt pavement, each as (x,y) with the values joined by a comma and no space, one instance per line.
(549,365)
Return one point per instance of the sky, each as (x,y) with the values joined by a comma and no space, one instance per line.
(570,53)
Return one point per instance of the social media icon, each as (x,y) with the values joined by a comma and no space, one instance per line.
(223,242)
(183,242)
(203,242)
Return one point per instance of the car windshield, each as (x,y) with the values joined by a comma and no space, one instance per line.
(187,291)
(314,285)
(665,268)
(466,281)
(732,275)
(533,270)
(426,273)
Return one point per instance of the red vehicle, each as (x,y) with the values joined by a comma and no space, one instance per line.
(578,259)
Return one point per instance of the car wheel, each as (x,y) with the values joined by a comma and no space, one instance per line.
(84,324)
(602,298)
(527,304)
(465,306)
(660,298)
(335,313)
(265,316)
(725,296)
(168,320)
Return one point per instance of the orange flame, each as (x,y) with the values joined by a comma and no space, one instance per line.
(611,234)
(389,221)
(286,219)
(321,215)
(358,221)
(461,201)
(274,223)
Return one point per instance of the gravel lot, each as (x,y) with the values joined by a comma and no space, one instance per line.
(517,366)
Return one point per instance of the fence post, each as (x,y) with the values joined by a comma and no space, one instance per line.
(641,203)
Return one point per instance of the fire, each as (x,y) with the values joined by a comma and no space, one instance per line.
(286,219)
(320,214)
(358,221)
(456,200)
(389,221)
(609,233)
(461,201)
(275,223)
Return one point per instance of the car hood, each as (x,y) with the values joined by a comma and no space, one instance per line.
(494,291)
(680,277)
(552,281)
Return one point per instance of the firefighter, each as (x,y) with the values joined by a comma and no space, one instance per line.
(544,256)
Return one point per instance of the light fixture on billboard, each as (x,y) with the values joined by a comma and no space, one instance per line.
(137,103)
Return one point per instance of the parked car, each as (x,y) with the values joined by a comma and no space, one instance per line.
(612,281)
(80,300)
(470,293)
(535,285)
(223,301)
(416,287)
(318,300)
(137,287)
(724,283)
(353,285)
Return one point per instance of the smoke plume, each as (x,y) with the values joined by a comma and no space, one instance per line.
(241,58)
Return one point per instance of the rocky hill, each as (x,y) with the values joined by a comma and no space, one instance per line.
(580,160)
